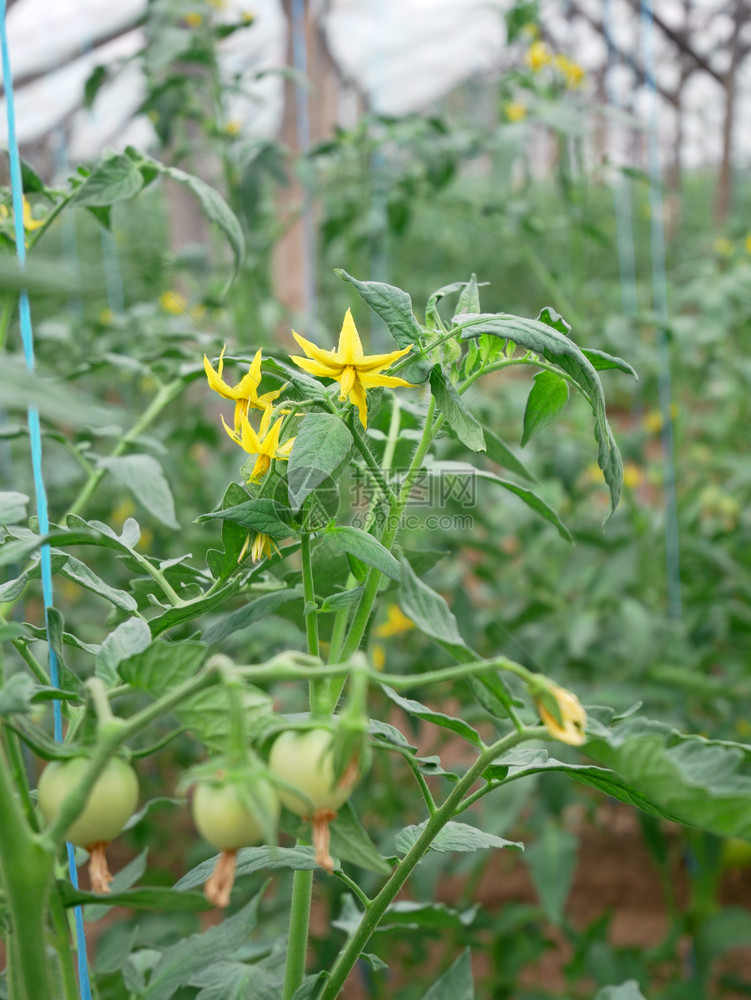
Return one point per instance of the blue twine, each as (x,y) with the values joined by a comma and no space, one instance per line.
(35,437)
(302,121)
(660,295)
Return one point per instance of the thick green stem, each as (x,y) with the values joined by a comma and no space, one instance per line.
(69,980)
(26,873)
(299,922)
(372,917)
(164,396)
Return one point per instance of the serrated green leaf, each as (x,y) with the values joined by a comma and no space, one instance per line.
(161,666)
(459,837)
(130,637)
(394,306)
(456,984)
(13,507)
(365,547)
(321,447)
(459,418)
(499,452)
(252,612)
(143,476)
(116,178)
(547,337)
(192,954)
(531,499)
(419,711)
(263,514)
(547,399)
(148,898)
(254,859)
(15,695)
(77,571)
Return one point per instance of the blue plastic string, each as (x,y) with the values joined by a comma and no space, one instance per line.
(302,121)
(35,437)
(660,297)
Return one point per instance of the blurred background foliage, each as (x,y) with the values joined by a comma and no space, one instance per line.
(420,200)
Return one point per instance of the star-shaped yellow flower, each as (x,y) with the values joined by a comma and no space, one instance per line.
(354,371)
(265,444)
(245,393)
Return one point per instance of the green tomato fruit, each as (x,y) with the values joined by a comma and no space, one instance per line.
(110,804)
(303,761)
(223,819)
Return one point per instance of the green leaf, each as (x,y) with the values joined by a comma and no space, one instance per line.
(626,991)
(430,613)
(15,695)
(132,636)
(551,860)
(57,402)
(254,859)
(143,476)
(394,306)
(248,615)
(160,666)
(459,418)
(546,336)
(602,361)
(13,507)
(205,714)
(453,836)
(77,571)
(456,984)
(431,308)
(406,916)
(343,599)
(192,609)
(116,178)
(123,879)
(321,447)
(547,398)
(304,385)
(419,711)
(350,842)
(217,211)
(223,563)
(189,956)
(688,779)
(469,300)
(499,452)
(263,514)
(531,499)
(148,898)
(367,548)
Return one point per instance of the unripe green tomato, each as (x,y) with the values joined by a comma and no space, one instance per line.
(110,804)
(302,759)
(224,821)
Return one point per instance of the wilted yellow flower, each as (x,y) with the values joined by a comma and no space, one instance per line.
(265,444)
(262,546)
(571,71)
(173,303)
(354,371)
(573,717)
(723,247)
(396,623)
(193,19)
(515,111)
(538,56)
(245,393)
(633,475)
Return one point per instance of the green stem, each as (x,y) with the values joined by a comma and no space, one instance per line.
(372,917)
(364,448)
(299,922)
(5,318)
(49,220)
(164,396)
(63,949)
(354,888)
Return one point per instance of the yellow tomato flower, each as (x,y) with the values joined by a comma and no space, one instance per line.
(573,717)
(173,303)
(29,222)
(265,444)
(396,623)
(515,111)
(571,71)
(233,126)
(723,247)
(193,19)
(262,546)
(538,56)
(354,371)
(633,476)
(245,393)
(378,656)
